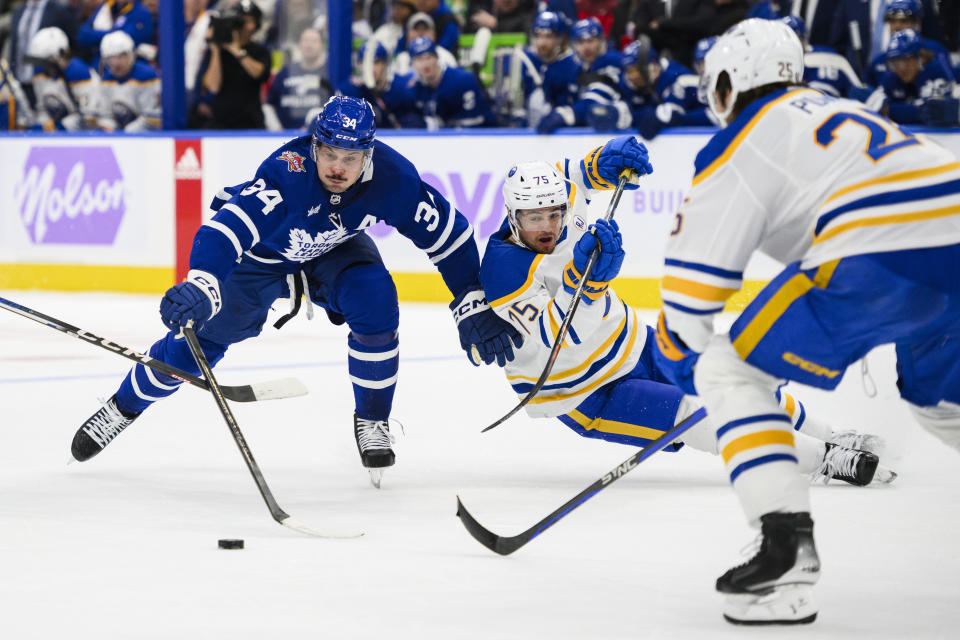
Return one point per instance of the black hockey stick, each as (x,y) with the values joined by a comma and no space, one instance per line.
(565,325)
(505,545)
(278,514)
(273,390)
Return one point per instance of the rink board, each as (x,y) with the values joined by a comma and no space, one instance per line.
(117,213)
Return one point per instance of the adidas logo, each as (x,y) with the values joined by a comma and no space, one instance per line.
(188,166)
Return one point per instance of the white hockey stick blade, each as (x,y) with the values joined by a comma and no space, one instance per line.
(296,525)
(278,389)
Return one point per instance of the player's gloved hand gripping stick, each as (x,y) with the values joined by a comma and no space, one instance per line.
(625,176)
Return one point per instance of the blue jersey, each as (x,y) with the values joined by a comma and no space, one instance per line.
(826,70)
(458,101)
(939,54)
(284,217)
(904,100)
(393,108)
(297,94)
(560,85)
(672,102)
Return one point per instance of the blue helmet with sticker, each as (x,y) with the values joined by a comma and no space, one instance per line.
(703,46)
(797,24)
(550,21)
(379,52)
(346,123)
(586,28)
(903,9)
(422,45)
(905,42)
(638,53)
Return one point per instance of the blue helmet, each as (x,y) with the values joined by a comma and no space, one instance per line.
(379,53)
(797,24)
(703,46)
(421,45)
(346,123)
(903,43)
(638,53)
(550,21)
(586,28)
(904,9)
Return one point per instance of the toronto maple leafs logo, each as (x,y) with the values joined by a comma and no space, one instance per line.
(294,161)
(304,247)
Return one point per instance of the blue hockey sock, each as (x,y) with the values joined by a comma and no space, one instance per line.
(373,361)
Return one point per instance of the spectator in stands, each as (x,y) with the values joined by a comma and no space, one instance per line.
(602,10)
(130,90)
(501,16)
(909,83)
(25,22)
(67,90)
(447,96)
(420,25)
(445,23)
(129,16)
(392,32)
(390,95)
(692,20)
(633,17)
(300,89)
(234,69)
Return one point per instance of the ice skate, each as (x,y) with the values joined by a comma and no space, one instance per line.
(99,429)
(373,443)
(850,465)
(863,441)
(775,585)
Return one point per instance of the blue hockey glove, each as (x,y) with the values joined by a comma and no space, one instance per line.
(673,358)
(609,117)
(550,122)
(601,167)
(483,334)
(197,299)
(611,253)
(940,112)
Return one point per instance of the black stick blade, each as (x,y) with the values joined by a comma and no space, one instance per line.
(497,544)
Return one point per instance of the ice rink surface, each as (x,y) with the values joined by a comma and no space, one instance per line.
(125,545)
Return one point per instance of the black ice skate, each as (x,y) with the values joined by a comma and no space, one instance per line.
(373,443)
(775,586)
(99,429)
(850,465)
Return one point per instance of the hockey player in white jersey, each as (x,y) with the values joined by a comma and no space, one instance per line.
(867,218)
(130,90)
(66,89)
(604,383)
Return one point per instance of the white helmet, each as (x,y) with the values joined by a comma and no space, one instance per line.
(115,43)
(49,42)
(532,185)
(754,53)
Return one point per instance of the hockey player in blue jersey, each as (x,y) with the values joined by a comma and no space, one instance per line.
(605,384)
(298,228)
(390,94)
(907,14)
(595,79)
(909,83)
(447,96)
(130,89)
(823,68)
(66,89)
(866,218)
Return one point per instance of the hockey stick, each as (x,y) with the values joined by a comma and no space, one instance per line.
(565,325)
(272,390)
(278,514)
(505,545)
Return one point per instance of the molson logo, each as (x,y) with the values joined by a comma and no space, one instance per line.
(71,195)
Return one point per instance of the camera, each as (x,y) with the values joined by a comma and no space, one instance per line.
(223,28)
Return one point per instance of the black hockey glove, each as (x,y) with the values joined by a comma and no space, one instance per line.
(483,334)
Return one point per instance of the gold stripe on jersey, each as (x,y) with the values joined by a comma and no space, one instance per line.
(723,157)
(526,285)
(595,179)
(589,360)
(615,426)
(913,174)
(615,369)
(788,293)
(895,218)
(696,289)
(754,440)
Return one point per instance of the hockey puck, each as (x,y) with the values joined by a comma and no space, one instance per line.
(230,544)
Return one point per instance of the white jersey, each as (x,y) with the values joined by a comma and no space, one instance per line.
(69,99)
(131,103)
(803,177)
(527,289)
